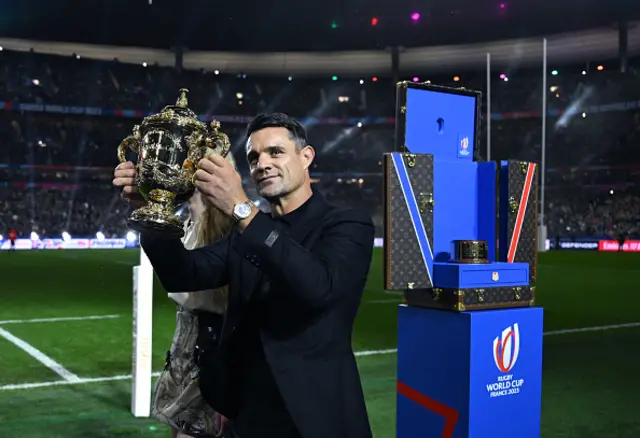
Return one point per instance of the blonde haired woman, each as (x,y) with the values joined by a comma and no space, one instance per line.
(177,400)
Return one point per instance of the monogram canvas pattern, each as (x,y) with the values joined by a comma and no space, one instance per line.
(527,250)
(460,300)
(404,264)
(401,116)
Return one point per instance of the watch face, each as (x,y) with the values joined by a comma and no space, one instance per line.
(243,210)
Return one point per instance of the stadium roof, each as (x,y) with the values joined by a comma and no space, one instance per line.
(598,44)
(301,25)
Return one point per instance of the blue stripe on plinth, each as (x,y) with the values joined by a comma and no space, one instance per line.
(414,213)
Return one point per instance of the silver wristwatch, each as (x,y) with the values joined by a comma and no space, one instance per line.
(242,210)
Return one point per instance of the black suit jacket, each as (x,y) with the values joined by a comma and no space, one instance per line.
(318,268)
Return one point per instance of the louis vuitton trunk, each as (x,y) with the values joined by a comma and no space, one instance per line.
(460,300)
(408,220)
(517,215)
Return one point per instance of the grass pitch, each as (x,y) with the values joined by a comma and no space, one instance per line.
(590,383)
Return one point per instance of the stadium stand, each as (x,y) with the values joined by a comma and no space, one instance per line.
(56,164)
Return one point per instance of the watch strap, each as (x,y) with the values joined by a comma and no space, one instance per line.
(235,216)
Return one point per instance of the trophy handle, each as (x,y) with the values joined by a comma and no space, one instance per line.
(131,142)
(196,150)
(218,140)
(198,145)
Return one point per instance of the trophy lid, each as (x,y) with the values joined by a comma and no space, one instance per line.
(179,114)
(182,104)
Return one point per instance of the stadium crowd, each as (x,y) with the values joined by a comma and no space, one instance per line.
(55,169)
(29,77)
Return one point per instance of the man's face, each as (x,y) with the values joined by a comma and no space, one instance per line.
(277,167)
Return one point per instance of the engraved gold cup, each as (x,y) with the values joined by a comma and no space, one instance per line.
(471,251)
(169,145)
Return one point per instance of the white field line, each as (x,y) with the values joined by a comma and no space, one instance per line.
(81,380)
(376,352)
(592,329)
(549,333)
(38,355)
(68,318)
(358,354)
(393,292)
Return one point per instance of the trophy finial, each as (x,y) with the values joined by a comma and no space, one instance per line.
(182,101)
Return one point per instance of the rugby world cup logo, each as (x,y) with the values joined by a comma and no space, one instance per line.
(464,146)
(506,348)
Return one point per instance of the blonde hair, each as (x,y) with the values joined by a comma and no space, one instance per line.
(212,226)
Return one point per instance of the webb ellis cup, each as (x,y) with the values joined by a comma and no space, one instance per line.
(169,146)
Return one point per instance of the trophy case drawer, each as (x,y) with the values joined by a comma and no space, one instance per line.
(461,275)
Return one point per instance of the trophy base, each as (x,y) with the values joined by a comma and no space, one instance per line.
(156,226)
(158,216)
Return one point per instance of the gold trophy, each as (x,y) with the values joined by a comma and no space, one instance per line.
(471,251)
(169,146)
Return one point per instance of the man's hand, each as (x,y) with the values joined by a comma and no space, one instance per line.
(125,177)
(220,183)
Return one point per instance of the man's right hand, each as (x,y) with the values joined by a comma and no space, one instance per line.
(125,177)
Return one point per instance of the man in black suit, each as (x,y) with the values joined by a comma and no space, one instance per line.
(284,365)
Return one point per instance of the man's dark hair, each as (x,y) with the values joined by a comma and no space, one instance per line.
(297,132)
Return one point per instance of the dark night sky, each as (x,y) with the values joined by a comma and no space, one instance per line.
(300,24)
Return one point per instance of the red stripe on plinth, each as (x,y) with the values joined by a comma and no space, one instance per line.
(450,415)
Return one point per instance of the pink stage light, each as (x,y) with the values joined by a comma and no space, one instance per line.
(415,16)
(415,79)
(502,76)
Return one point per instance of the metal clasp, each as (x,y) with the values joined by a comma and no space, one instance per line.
(513,204)
(411,160)
(426,201)
(516,293)
(459,307)
(523,167)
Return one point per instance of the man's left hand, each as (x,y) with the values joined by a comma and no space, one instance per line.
(220,183)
